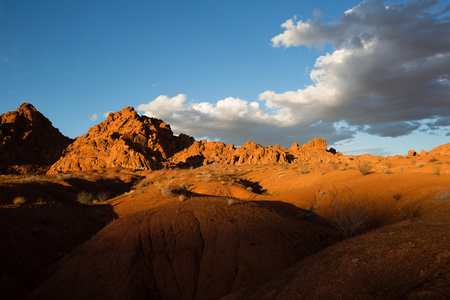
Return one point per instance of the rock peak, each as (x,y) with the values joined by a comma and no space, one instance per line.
(124,139)
(27,107)
(28,141)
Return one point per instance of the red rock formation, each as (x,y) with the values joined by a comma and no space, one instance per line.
(440,150)
(202,153)
(412,153)
(125,140)
(28,141)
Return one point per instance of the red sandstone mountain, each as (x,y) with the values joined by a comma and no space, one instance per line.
(28,141)
(125,140)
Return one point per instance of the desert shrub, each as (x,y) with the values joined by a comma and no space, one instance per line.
(443,195)
(207,177)
(84,197)
(396,196)
(19,201)
(433,159)
(364,167)
(401,168)
(281,176)
(334,165)
(231,201)
(387,171)
(166,190)
(436,170)
(182,198)
(306,171)
(103,196)
(352,215)
(411,211)
(419,165)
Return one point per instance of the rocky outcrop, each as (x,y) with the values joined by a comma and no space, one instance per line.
(412,153)
(423,153)
(125,140)
(440,150)
(28,141)
(130,141)
(203,153)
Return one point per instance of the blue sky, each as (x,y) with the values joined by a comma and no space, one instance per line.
(369,77)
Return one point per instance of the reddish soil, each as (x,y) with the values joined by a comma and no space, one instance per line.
(236,227)
(201,248)
(406,260)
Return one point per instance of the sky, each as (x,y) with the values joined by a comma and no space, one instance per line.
(368,77)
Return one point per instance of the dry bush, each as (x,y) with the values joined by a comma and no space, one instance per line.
(419,165)
(401,168)
(84,197)
(364,167)
(443,195)
(387,171)
(306,171)
(182,198)
(103,196)
(334,165)
(397,196)
(436,170)
(166,190)
(411,210)
(19,201)
(352,215)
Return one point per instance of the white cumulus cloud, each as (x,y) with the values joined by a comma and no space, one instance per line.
(389,68)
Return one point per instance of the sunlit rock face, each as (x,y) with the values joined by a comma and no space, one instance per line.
(125,139)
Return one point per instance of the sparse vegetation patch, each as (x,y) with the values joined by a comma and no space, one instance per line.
(352,215)
(364,167)
(84,197)
(19,201)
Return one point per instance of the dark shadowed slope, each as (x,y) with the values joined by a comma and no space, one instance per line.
(202,248)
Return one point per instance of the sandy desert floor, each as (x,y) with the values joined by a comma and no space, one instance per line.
(278,231)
